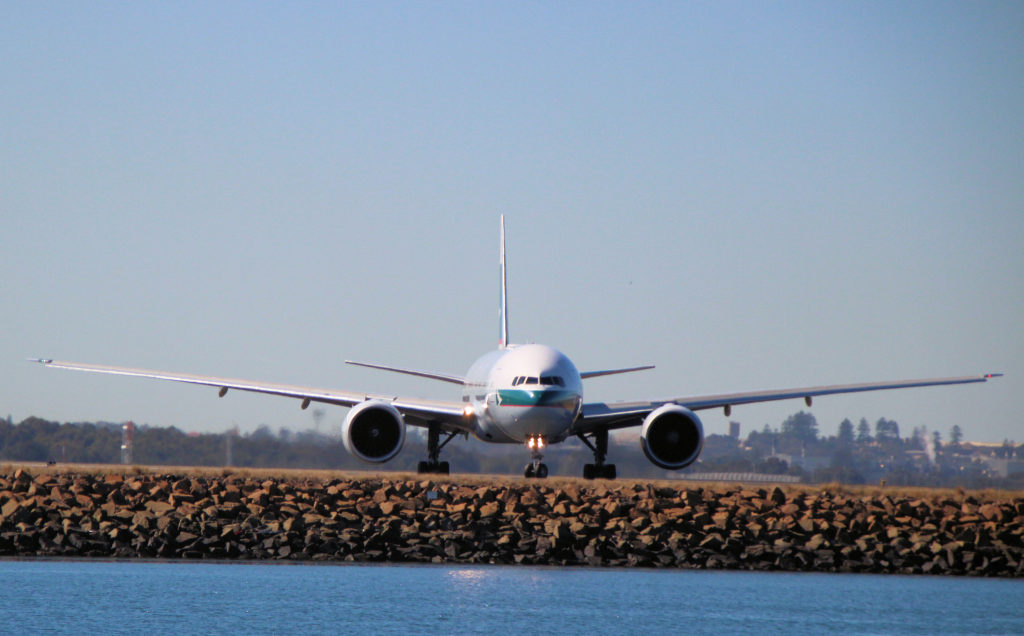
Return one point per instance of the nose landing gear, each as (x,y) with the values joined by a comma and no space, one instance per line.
(536,468)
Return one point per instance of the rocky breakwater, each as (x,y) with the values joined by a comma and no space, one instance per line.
(242,517)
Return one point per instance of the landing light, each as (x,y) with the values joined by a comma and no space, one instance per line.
(467,410)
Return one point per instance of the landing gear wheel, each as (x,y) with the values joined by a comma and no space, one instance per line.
(602,471)
(542,471)
(599,469)
(434,446)
(528,471)
(436,468)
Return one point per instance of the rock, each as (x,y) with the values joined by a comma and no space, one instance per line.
(815,542)
(990,512)
(789,509)
(159,507)
(489,510)
(624,525)
(10,508)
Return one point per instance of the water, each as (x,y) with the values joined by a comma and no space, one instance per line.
(128,597)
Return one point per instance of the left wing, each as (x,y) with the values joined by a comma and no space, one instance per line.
(604,415)
(417,411)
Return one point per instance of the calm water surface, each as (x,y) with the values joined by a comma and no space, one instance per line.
(126,597)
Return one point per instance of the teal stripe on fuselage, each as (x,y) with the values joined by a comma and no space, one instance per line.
(520,397)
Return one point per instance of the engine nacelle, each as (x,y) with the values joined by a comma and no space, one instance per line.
(374,431)
(672,437)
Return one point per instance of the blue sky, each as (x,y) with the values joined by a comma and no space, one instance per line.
(749,196)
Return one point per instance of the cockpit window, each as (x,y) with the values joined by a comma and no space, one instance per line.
(552,380)
(544,380)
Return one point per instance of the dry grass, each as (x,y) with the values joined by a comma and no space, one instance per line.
(298,474)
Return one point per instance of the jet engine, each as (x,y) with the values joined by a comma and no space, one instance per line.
(374,431)
(672,437)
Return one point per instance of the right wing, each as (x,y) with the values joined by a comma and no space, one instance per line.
(417,411)
(605,415)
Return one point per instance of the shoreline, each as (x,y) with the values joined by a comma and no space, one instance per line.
(242,516)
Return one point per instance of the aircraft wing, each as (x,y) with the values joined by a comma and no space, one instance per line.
(611,415)
(418,412)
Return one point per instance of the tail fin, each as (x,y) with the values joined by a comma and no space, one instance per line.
(503,341)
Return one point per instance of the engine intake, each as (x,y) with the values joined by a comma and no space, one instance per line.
(672,437)
(374,431)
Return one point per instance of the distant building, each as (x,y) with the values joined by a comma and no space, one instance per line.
(734,430)
(1003,467)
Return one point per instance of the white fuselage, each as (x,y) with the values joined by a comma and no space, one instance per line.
(523,391)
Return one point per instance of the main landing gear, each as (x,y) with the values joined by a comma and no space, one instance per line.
(599,469)
(536,468)
(434,446)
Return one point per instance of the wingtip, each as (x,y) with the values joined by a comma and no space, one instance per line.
(41,360)
(993,375)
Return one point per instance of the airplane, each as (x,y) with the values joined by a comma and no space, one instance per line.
(528,394)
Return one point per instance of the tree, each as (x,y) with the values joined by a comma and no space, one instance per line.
(955,435)
(845,434)
(802,426)
(936,440)
(886,429)
(863,431)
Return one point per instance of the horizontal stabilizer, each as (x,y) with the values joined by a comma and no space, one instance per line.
(444,377)
(594,374)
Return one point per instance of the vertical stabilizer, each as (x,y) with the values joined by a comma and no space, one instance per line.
(503,342)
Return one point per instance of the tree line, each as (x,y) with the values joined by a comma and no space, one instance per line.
(859,453)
